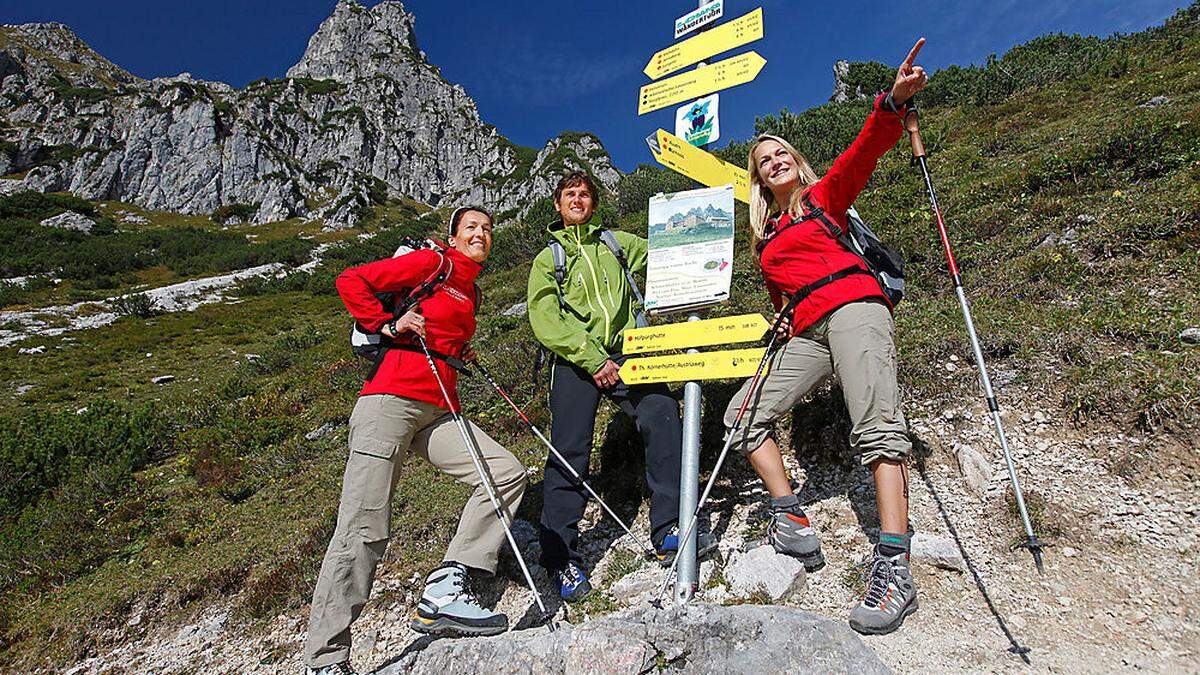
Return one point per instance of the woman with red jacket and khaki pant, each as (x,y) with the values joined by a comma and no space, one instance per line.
(401,409)
(841,325)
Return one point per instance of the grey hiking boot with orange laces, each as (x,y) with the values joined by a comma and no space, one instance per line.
(891,596)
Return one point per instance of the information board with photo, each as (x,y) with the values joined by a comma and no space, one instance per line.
(691,249)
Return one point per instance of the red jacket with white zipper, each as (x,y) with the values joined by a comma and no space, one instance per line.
(806,252)
(449,319)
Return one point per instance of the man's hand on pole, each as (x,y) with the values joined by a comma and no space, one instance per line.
(607,377)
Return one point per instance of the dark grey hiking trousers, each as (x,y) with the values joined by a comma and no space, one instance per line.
(573,401)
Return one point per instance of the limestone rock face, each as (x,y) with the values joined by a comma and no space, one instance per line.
(571,151)
(361,118)
(696,638)
(357,43)
(841,88)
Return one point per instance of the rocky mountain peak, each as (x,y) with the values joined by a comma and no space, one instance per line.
(361,119)
(54,50)
(356,42)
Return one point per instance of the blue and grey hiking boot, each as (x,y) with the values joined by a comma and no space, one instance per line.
(705,544)
(891,595)
(448,607)
(573,584)
(343,668)
(792,534)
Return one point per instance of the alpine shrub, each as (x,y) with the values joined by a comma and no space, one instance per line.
(40,449)
(38,206)
(636,188)
(229,212)
(139,305)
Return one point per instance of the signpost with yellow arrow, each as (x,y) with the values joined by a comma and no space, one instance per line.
(695,83)
(700,165)
(706,332)
(740,31)
(691,367)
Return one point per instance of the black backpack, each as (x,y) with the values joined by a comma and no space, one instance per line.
(885,263)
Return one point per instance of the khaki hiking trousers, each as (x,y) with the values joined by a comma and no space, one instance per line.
(382,428)
(854,342)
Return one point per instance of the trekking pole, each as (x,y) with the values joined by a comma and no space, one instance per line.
(918,150)
(477,460)
(554,451)
(737,424)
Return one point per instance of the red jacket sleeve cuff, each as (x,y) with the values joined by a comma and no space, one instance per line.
(885,103)
(374,325)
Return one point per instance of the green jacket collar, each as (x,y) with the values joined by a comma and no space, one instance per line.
(569,234)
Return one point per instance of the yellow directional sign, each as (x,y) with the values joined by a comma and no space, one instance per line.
(690,367)
(742,30)
(695,83)
(719,331)
(699,165)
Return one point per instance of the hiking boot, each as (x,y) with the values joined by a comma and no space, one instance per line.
(705,544)
(343,668)
(448,607)
(573,584)
(790,533)
(891,595)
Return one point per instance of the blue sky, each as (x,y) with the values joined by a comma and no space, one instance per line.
(543,66)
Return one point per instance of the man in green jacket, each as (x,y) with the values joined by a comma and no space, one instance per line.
(581,321)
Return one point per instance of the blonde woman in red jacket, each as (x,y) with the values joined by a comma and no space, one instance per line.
(401,410)
(841,325)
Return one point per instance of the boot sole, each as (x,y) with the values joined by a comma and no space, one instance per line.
(884,630)
(442,626)
(812,562)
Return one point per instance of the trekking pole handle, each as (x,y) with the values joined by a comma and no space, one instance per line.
(914,132)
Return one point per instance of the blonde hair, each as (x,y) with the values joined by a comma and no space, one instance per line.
(762,200)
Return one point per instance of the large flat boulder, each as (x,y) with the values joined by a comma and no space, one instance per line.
(69,220)
(698,638)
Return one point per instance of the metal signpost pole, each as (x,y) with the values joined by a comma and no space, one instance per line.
(688,576)
(689,487)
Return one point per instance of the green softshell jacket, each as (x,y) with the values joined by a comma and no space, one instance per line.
(599,302)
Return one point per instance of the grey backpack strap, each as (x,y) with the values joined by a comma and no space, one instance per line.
(610,240)
(559,256)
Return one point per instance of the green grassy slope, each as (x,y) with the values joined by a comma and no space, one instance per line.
(166,498)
